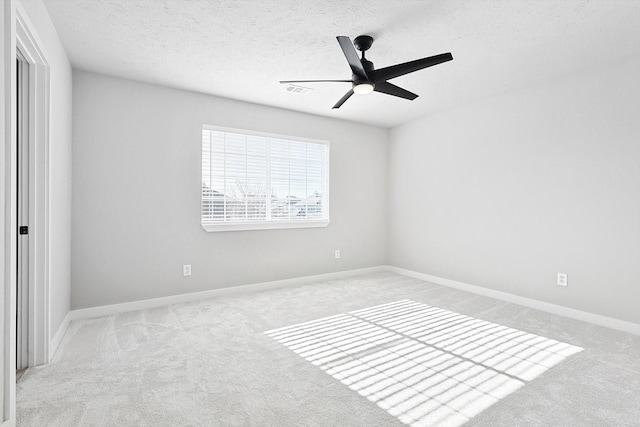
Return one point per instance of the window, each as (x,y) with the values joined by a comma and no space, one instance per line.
(253,181)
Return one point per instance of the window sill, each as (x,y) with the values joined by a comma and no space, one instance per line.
(247,225)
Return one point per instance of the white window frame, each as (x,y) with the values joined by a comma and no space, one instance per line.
(271,224)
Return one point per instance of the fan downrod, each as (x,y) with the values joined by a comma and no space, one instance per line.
(363,43)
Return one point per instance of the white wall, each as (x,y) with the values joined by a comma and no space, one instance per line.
(136,200)
(506,192)
(59,159)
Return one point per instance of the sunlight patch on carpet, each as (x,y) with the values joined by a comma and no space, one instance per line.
(422,364)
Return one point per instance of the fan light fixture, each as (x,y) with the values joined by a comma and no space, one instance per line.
(363,89)
(366,79)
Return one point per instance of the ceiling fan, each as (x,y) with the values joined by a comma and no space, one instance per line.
(365,79)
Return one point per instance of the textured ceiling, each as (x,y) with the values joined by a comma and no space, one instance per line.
(241,48)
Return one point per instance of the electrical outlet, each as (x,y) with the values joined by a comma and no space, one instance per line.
(186,270)
(563,279)
(337,253)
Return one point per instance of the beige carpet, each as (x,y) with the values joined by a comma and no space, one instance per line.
(374,350)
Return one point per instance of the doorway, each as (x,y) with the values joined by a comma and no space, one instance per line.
(31,209)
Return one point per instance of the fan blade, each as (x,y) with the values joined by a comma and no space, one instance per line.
(391,89)
(352,57)
(409,67)
(343,99)
(315,81)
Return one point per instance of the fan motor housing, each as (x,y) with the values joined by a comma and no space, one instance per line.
(367,65)
(356,80)
(369,69)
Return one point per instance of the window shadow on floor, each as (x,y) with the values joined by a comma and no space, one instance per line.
(424,365)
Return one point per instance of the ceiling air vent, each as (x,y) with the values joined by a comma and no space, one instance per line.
(300,90)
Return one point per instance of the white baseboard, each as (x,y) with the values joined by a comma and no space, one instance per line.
(57,338)
(609,322)
(107,310)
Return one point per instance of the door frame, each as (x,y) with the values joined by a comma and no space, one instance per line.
(17,30)
(39,320)
(7,211)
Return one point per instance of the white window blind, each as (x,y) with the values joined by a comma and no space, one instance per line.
(257,181)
